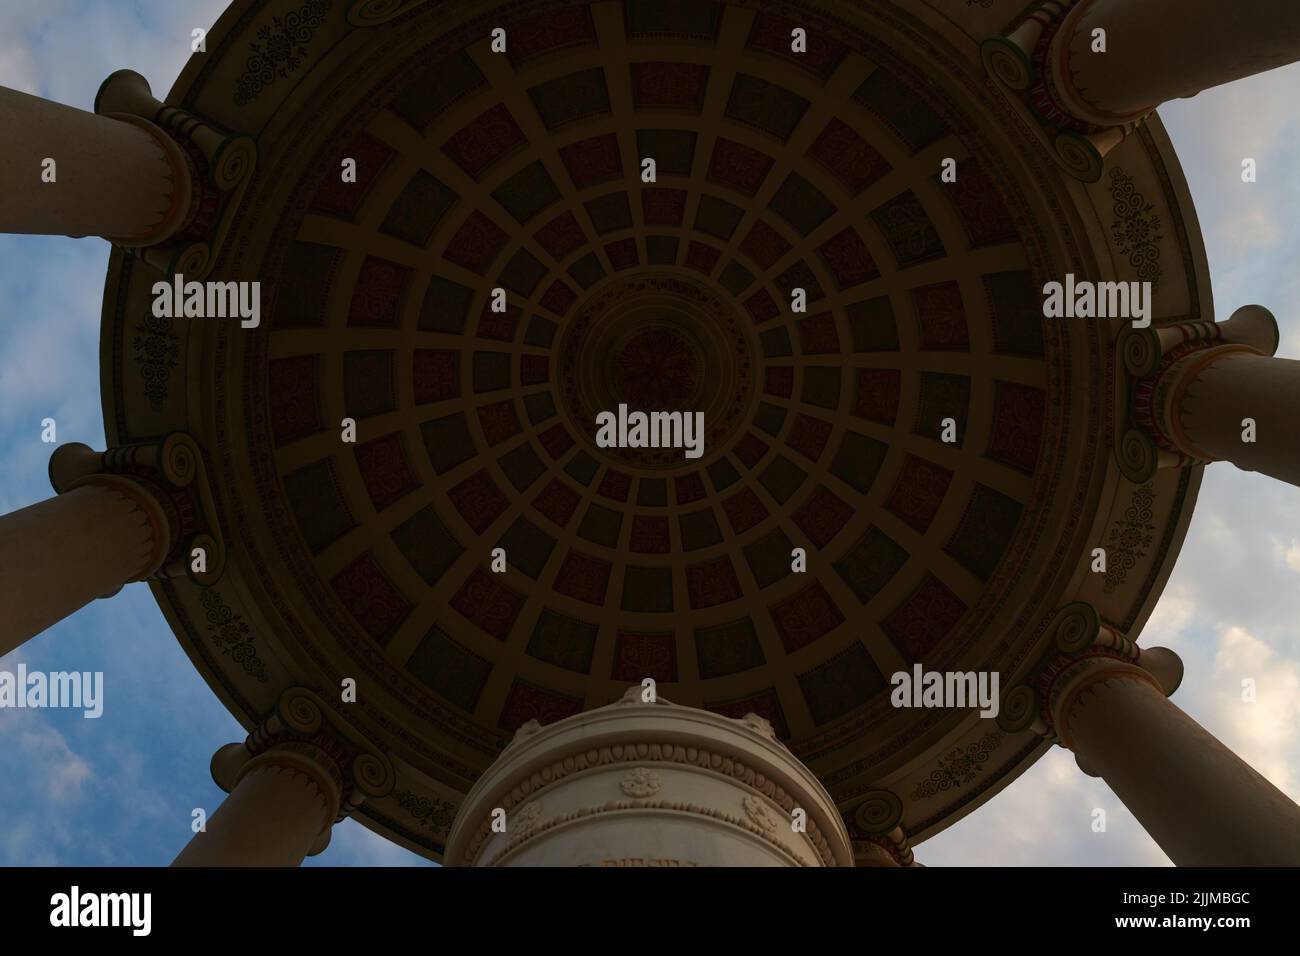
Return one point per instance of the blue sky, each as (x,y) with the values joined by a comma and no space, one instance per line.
(120,790)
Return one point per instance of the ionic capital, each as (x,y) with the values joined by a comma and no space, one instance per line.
(212,165)
(304,737)
(166,481)
(876,830)
(1199,392)
(1084,653)
(1089,72)
(1031,65)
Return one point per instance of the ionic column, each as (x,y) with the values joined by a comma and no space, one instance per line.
(1209,392)
(1214,396)
(297,774)
(1160,50)
(123,515)
(1101,696)
(1087,102)
(280,810)
(1198,800)
(58,555)
(116,175)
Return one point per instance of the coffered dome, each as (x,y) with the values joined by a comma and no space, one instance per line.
(774,172)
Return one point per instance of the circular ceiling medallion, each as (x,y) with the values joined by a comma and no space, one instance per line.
(656,342)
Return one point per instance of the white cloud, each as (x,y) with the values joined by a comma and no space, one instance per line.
(1262,732)
(63,49)
(1254,227)
(1046,817)
(1231,606)
(61,774)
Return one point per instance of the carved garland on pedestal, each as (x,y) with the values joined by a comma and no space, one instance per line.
(763,830)
(640,753)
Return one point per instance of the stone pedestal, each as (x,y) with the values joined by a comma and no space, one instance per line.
(636,784)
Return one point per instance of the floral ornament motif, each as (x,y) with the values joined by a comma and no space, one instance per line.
(526,729)
(280,49)
(908,229)
(759,814)
(437,815)
(157,351)
(960,767)
(526,818)
(1136,230)
(641,782)
(657,369)
(760,725)
(232,634)
(1130,537)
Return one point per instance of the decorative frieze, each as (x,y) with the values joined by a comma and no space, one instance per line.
(581,790)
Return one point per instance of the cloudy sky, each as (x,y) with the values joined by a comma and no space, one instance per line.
(120,790)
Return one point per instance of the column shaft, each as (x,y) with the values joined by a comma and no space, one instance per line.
(275,816)
(62,553)
(1159,50)
(114,178)
(1199,801)
(1209,401)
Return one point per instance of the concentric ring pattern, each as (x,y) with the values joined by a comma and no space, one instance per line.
(775,171)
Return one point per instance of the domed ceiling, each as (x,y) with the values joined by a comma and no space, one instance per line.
(775,171)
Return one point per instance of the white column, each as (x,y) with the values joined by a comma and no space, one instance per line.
(116,176)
